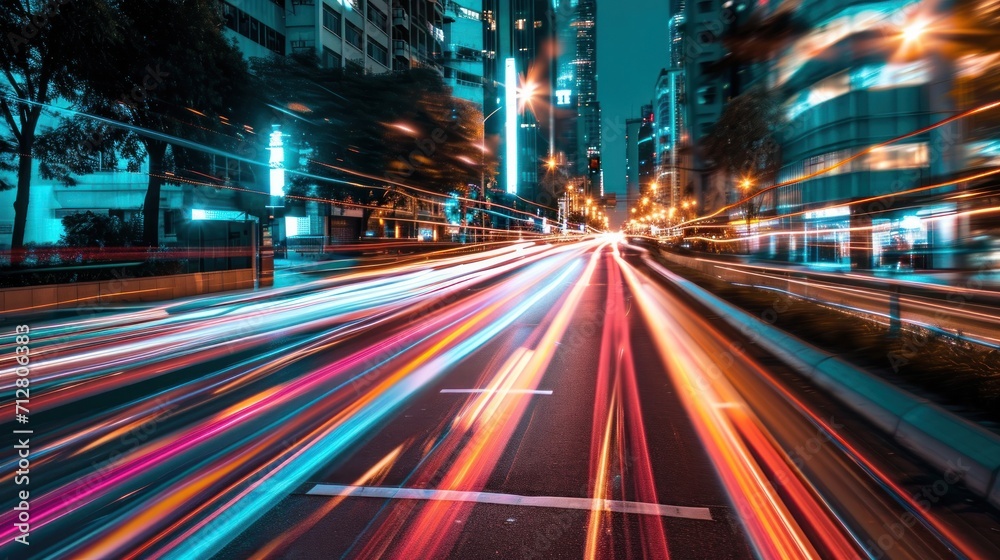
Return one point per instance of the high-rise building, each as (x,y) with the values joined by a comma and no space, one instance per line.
(632,192)
(257,26)
(671,135)
(589,108)
(843,94)
(647,151)
(521,39)
(706,87)
(374,36)
(572,164)
(463,57)
(640,156)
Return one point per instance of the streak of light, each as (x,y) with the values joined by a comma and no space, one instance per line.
(770,525)
(375,474)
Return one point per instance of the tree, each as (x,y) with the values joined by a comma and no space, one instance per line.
(173,72)
(373,139)
(759,38)
(89,230)
(43,48)
(743,144)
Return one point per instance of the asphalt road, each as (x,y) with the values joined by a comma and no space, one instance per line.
(532,401)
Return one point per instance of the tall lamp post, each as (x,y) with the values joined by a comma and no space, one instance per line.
(482,166)
(482,183)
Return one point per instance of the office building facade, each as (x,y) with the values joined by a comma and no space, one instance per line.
(463,60)
(590,135)
(845,92)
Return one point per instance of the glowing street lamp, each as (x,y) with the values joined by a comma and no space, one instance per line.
(914,31)
(276,146)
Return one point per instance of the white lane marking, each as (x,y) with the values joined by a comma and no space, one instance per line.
(586,504)
(494,391)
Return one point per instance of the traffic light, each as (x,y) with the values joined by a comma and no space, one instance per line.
(595,164)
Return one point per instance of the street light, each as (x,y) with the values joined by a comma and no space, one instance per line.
(914,31)
(482,181)
(482,163)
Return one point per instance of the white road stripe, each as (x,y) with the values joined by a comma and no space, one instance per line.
(493,391)
(586,504)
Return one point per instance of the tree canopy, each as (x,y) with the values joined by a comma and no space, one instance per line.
(743,142)
(169,70)
(370,131)
(44,48)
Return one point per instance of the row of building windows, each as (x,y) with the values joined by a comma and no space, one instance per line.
(867,77)
(462,11)
(332,20)
(886,158)
(253,29)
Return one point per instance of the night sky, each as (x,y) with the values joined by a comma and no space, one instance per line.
(631,51)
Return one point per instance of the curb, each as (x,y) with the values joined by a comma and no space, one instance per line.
(956,447)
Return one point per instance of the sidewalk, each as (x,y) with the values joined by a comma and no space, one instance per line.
(296,270)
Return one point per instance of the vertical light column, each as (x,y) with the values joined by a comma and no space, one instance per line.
(277,160)
(510,81)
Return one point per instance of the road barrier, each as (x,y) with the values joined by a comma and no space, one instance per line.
(951,444)
(123,290)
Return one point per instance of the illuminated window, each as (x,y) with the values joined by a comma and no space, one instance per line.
(820,92)
(883,76)
(902,156)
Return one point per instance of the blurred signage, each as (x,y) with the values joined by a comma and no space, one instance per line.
(829,213)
